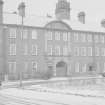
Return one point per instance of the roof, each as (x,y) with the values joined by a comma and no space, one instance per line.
(42,21)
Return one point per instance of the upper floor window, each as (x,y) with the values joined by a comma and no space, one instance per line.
(65,50)
(34,34)
(76,51)
(12,33)
(25,49)
(12,67)
(69,36)
(65,36)
(34,50)
(103,51)
(102,39)
(83,37)
(83,51)
(57,50)
(24,34)
(97,51)
(57,35)
(89,51)
(96,38)
(12,49)
(34,66)
(89,37)
(76,38)
(49,50)
(49,35)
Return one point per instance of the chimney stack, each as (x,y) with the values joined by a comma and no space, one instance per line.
(81,17)
(62,10)
(103,23)
(21,9)
(1,11)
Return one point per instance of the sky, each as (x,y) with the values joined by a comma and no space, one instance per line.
(94,9)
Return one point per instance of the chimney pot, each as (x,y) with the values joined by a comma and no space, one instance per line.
(81,17)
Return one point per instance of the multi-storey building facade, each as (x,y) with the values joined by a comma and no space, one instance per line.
(57,46)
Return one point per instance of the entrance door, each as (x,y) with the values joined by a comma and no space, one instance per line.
(61,69)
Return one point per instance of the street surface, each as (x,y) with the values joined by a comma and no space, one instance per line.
(39,92)
(16,96)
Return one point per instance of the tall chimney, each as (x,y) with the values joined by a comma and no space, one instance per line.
(81,17)
(103,23)
(62,10)
(21,9)
(1,11)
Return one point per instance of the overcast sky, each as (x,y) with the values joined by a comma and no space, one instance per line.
(95,9)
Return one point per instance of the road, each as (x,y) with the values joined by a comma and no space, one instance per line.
(16,96)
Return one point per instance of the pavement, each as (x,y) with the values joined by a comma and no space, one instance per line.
(36,81)
(10,84)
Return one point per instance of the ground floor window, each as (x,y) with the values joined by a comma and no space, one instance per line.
(34,66)
(84,67)
(77,67)
(12,67)
(69,70)
(61,69)
(25,66)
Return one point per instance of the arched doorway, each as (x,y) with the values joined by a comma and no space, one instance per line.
(61,69)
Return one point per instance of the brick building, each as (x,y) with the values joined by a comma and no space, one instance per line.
(61,46)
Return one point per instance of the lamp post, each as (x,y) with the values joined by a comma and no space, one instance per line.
(21,9)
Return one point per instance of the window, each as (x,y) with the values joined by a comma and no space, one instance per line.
(104,67)
(69,70)
(26,66)
(57,35)
(25,49)
(76,37)
(98,66)
(34,66)
(76,51)
(12,33)
(84,68)
(69,36)
(89,37)
(89,51)
(65,36)
(49,50)
(77,67)
(97,51)
(57,50)
(83,37)
(34,50)
(12,49)
(49,35)
(65,50)
(25,34)
(103,51)
(12,67)
(102,40)
(96,38)
(34,34)
(83,51)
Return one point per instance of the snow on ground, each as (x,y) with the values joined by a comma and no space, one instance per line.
(59,98)
(93,91)
(77,95)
